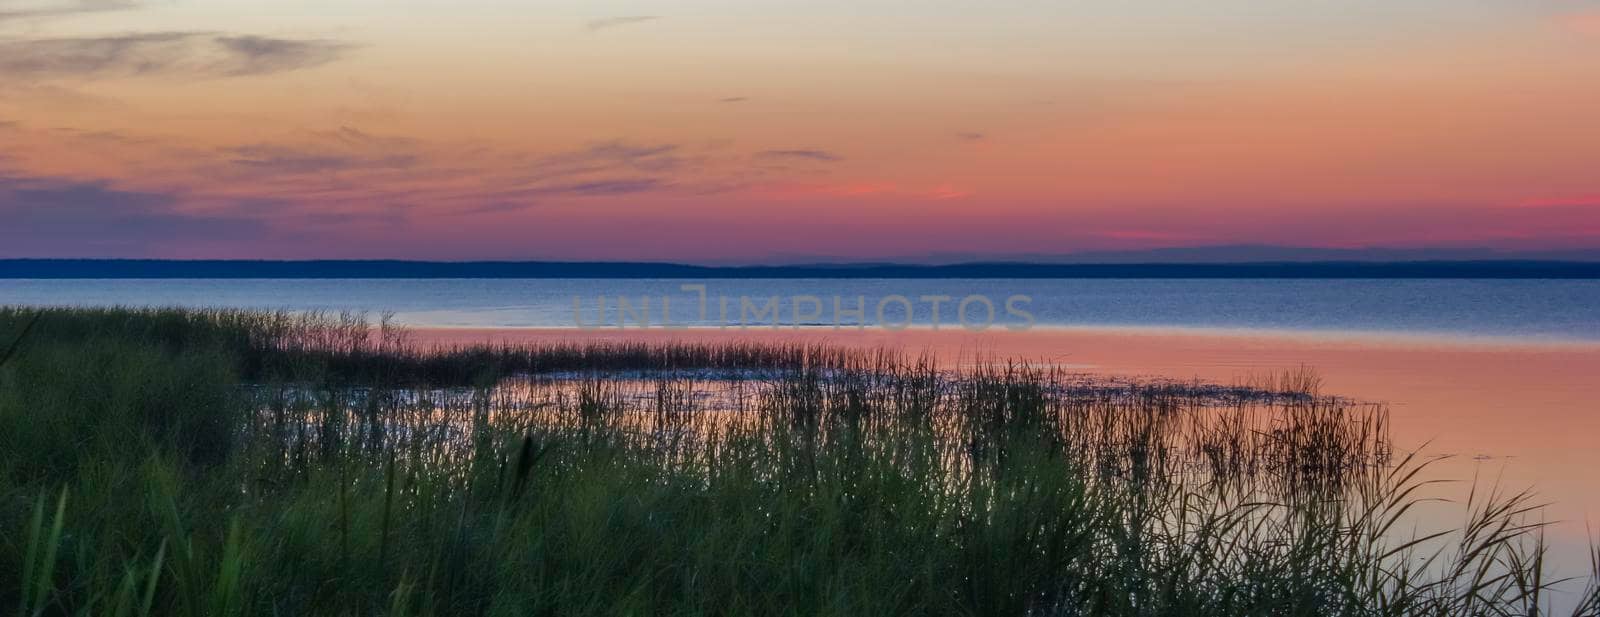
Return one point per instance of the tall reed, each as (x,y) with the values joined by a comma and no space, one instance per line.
(225,463)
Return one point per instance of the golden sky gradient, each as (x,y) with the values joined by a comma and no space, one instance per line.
(758,130)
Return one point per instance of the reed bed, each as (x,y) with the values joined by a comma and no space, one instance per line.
(172,462)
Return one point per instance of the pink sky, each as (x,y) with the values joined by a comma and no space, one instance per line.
(719,131)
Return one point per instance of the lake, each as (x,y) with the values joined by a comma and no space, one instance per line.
(1550,311)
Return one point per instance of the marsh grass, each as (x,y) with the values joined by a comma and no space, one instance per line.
(167,462)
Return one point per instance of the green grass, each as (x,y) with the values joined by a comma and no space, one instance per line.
(222,463)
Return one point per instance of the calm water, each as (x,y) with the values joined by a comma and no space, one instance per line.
(1529,309)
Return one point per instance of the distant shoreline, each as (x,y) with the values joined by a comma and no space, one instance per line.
(384,269)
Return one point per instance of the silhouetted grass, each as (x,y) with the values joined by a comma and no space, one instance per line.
(225,463)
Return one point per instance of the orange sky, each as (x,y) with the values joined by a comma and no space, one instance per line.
(705,131)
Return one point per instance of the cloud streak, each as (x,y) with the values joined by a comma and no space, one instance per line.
(193,54)
(605,158)
(27,10)
(615,22)
(807,154)
(259,55)
(289,160)
(597,170)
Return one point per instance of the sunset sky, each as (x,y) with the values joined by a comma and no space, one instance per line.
(755,130)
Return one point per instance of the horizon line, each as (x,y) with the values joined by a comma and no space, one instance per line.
(121,268)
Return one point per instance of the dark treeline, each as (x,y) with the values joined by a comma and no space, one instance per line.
(142,268)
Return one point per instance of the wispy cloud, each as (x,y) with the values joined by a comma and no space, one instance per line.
(971,136)
(256,55)
(866,189)
(345,148)
(617,186)
(733,99)
(601,169)
(48,216)
(346,176)
(582,188)
(194,54)
(613,22)
(605,158)
(351,169)
(102,137)
(291,161)
(357,138)
(23,9)
(512,200)
(812,155)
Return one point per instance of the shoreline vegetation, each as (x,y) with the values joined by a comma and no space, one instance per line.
(192,462)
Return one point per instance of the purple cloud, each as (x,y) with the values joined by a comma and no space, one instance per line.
(64,217)
(193,54)
(814,155)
